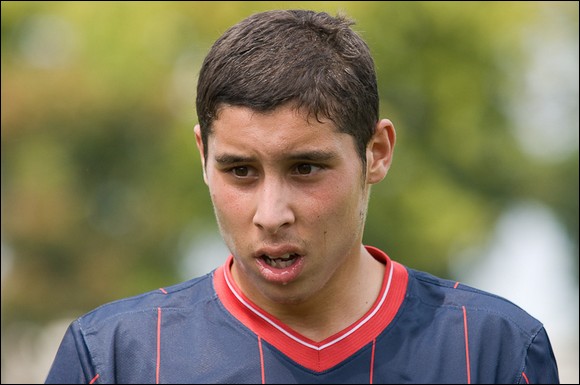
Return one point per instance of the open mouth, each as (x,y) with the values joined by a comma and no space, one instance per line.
(280,268)
(280,262)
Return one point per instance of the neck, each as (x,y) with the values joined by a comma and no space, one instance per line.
(337,305)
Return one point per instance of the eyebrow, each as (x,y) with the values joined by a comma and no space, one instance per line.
(226,159)
(313,156)
(308,156)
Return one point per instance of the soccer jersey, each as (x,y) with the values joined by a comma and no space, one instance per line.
(421,329)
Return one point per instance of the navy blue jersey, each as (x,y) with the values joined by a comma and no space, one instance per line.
(421,329)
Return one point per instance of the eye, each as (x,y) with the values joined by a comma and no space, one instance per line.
(241,171)
(306,169)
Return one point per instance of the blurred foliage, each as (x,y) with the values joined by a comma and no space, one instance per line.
(101,181)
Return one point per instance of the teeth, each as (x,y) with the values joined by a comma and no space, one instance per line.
(281,262)
(285,256)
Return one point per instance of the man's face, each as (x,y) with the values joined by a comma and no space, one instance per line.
(290,202)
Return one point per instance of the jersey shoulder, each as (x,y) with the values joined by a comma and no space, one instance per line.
(184,295)
(444,293)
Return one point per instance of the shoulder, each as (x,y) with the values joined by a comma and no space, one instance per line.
(185,295)
(478,304)
(119,339)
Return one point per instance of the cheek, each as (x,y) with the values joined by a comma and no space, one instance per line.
(335,203)
(231,215)
(229,205)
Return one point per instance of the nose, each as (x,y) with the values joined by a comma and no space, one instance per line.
(273,206)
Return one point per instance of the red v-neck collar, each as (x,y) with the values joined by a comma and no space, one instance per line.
(323,355)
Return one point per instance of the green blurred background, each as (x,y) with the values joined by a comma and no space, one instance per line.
(102,195)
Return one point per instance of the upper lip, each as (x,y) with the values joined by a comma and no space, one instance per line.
(277,251)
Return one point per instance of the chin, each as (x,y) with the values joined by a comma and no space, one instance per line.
(285,298)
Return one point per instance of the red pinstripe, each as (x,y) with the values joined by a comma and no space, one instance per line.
(373,360)
(466,345)
(456,284)
(96,377)
(158,345)
(525,378)
(261,360)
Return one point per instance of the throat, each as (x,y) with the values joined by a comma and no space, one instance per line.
(335,309)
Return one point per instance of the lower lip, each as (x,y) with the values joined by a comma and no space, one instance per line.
(282,276)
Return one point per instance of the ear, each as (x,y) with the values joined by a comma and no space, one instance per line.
(380,151)
(199,142)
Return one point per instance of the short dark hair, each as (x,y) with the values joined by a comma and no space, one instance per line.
(311,59)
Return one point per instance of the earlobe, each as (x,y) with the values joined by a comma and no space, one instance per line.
(380,151)
(199,142)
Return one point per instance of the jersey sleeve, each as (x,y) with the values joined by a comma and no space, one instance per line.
(540,365)
(72,364)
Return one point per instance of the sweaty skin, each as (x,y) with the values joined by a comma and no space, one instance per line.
(290,201)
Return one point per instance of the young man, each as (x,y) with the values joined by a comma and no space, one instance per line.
(291,143)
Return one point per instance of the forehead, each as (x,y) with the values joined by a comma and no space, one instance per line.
(283,129)
(285,115)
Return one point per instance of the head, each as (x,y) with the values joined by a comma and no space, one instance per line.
(311,60)
(288,129)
